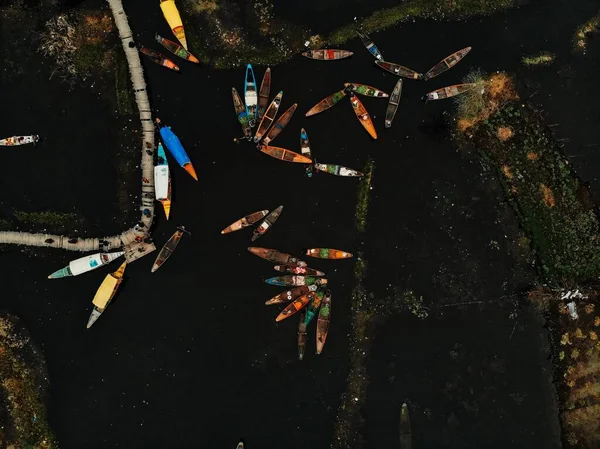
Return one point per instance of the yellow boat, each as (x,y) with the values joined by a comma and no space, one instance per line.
(105,293)
(171,13)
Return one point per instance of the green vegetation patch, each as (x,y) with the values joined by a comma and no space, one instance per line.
(541,59)
(23,385)
(364,188)
(58,222)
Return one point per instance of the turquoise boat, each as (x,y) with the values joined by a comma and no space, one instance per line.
(296,281)
(174,145)
(250,95)
(314,306)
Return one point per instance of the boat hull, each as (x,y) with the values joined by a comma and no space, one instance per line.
(302,336)
(326,103)
(399,70)
(363,116)
(173,18)
(326,54)
(268,117)
(85,264)
(290,295)
(367,91)
(446,63)
(106,293)
(250,95)
(240,112)
(338,170)
(244,222)
(405,428)
(161,174)
(175,147)
(280,124)
(176,49)
(266,224)
(272,255)
(327,253)
(284,155)
(449,91)
(263,93)
(294,269)
(159,59)
(370,45)
(393,104)
(19,140)
(295,306)
(167,250)
(313,307)
(296,281)
(323,321)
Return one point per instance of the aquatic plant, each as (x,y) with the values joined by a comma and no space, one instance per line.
(471,103)
(58,221)
(585,32)
(364,188)
(541,59)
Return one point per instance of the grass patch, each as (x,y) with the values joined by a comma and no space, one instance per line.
(364,188)
(541,59)
(540,184)
(23,384)
(123,88)
(58,222)
(585,32)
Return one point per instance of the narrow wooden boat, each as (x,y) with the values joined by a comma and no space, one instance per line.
(266,224)
(159,58)
(171,13)
(405,429)
(136,250)
(162,180)
(250,95)
(106,292)
(337,170)
(305,150)
(290,295)
(284,155)
(168,248)
(363,116)
(298,270)
(280,124)
(176,49)
(242,115)
(326,103)
(240,445)
(296,281)
(399,70)
(323,321)
(19,140)
(365,90)
(370,45)
(327,253)
(448,92)
(326,54)
(313,307)
(446,63)
(268,117)
(296,305)
(174,145)
(85,264)
(272,255)
(245,221)
(302,336)
(263,93)
(393,103)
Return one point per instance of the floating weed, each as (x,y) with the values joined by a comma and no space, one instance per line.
(364,188)
(541,59)
(585,32)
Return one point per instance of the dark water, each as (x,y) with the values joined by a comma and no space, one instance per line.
(190,356)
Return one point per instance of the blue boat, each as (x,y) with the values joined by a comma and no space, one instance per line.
(174,145)
(370,45)
(250,95)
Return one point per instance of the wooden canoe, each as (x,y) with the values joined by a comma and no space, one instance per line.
(313,307)
(19,140)
(370,45)
(290,295)
(296,305)
(168,248)
(304,144)
(173,18)
(399,70)
(323,321)
(327,253)
(338,170)
(176,49)
(166,202)
(284,155)
(250,95)
(327,54)
(245,221)
(405,429)
(263,93)
(296,281)
(268,117)
(106,292)
(326,103)
(365,90)
(242,115)
(280,124)
(266,224)
(295,269)
(448,92)
(272,255)
(363,116)
(162,180)
(302,337)
(159,59)
(393,104)
(446,63)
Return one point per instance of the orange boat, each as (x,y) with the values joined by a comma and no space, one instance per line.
(268,117)
(168,248)
(302,337)
(399,70)
(363,116)
(263,93)
(323,321)
(327,253)
(327,54)
(272,255)
(245,221)
(296,305)
(326,103)
(285,155)
(159,58)
(292,294)
(280,124)
(448,92)
(446,63)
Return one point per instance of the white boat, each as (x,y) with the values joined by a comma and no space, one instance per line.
(162,180)
(85,264)
(19,140)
